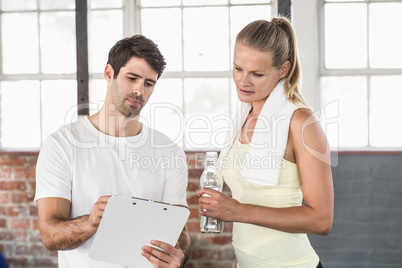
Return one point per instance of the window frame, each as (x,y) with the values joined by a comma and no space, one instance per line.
(39,76)
(366,72)
(131,10)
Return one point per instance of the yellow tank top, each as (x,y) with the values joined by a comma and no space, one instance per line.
(257,246)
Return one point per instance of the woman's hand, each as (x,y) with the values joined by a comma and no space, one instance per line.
(219,206)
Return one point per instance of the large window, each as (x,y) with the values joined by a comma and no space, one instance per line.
(192,101)
(37,71)
(361,71)
(194,98)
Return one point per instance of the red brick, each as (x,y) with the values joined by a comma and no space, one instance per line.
(192,199)
(12,160)
(14,236)
(34,236)
(5,172)
(17,262)
(228,227)
(193,226)
(193,185)
(32,160)
(4,198)
(32,185)
(33,211)
(195,160)
(3,223)
(18,198)
(21,250)
(13,210)
(20,224)
(221,239)
(37,250)
(194,213)
(195,173)
(42,263)
(12,185)
(24,173)
(35,224)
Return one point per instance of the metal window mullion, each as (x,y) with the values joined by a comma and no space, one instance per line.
(81,26)
(321,32)
(284,8)
(40,72)
(368,67)
(368,78)
(131,18)
(182,60)
(230,57)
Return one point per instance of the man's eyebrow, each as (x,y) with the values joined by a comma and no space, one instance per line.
(139,76)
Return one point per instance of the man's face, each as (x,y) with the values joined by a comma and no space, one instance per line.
(132,88)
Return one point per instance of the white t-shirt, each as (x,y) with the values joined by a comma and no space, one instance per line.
(79,163)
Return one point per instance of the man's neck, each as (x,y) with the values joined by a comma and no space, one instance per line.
(115,124)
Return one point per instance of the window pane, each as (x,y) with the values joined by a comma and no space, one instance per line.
(155,3)
(385,96)
(164,110)
(206,95)
(15,5)
(350,93)
(385,42)
(345,42)
(167,34)
(20,114)
(101,22)
(206,131)
(59,105)
(204,2)
(207,106)
(59,4)
(250,1)
(106,3)
(58,45)
(204,49)
(20,45)
(97,94)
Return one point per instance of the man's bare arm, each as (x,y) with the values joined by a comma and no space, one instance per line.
(58,232)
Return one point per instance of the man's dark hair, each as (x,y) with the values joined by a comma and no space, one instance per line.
(136,46)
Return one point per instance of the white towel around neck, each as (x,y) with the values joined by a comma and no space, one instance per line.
(268,144)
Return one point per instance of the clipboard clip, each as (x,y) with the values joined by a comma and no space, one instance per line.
(159,202)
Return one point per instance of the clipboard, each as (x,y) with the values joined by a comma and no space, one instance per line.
(129,223)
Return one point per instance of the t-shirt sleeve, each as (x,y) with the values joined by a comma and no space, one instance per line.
(53,169)
(176,179)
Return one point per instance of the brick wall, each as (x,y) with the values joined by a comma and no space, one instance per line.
(367,230)
(20,241)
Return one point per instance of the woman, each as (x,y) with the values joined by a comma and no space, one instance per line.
(279,156)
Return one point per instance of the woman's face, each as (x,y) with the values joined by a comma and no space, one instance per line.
(254,75)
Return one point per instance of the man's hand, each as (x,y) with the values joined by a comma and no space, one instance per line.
(58,232)
(172,257)
(97,211)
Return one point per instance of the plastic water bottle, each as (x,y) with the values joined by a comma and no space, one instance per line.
(210,179)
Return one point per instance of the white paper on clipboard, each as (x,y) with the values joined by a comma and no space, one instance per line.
(130,223)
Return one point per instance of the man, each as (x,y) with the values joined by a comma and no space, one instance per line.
(83,163)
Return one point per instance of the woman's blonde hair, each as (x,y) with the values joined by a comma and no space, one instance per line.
(278,38)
